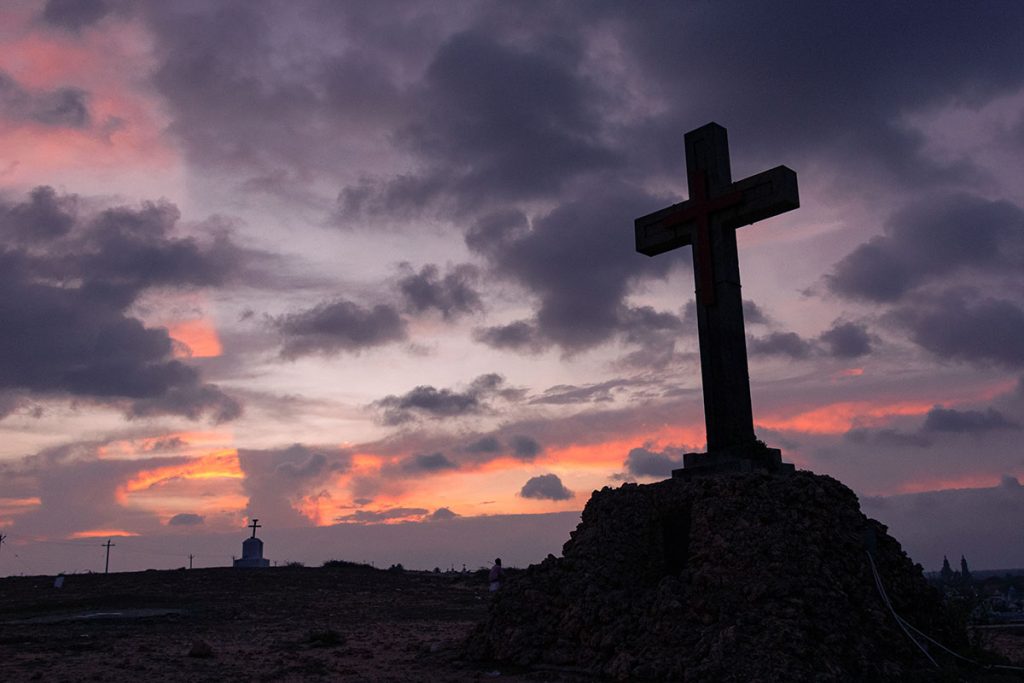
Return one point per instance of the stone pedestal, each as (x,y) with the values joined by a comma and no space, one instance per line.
(740,577)
(753,457)
(252,554)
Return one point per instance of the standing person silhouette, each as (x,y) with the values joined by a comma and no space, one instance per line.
(495,575)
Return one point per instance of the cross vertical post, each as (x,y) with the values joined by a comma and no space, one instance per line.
(728,416)
(708,221)
(254,526)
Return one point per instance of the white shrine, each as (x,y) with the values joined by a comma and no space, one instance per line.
(252,550)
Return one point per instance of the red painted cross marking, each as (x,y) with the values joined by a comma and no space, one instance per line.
(699,209)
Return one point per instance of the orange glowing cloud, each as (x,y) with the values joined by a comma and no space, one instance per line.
(838,418)
(492,487)
(11,508)
(964,481)
(194,443)
(198,339)
(221,464)
(316,508)
(102,533)
(611,454)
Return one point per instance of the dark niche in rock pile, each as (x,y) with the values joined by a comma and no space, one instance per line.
(746,577)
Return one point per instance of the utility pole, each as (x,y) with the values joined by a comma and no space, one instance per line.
(190,560)
(106,567)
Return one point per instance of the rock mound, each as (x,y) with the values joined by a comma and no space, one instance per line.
(744,577)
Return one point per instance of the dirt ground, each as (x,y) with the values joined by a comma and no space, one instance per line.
(349,623)
(282,624)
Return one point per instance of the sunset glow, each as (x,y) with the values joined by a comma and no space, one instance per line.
(102,533)
(839,418)
(326,264)
(198,337)
(216,465)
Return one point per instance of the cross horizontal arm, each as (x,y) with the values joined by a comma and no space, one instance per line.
(760,196)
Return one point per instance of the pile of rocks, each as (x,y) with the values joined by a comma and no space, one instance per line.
(741,577)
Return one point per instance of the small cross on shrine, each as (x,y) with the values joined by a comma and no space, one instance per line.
(252,550)
(708,220)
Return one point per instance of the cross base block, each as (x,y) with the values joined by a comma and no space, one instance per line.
(753,457)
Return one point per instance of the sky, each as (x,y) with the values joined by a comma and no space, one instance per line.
(366,271)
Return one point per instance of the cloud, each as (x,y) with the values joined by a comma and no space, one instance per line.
(938,420)
(521,336)
(453,295)
(74,15)
(428,401)
(781,344)
(794,118)
(441,514)
(649,328)
(511,132)
(338,326)
(77,489)
(491,114)
(399,466)
(545,487)
(846,340)
(496,122)
(934,265)
(191,401)
(568,394)
(578,261)
(975,522)
(962,233)
(519,446)
(59,108)
(525,447)
(238,103)
(186,519)
(44,217)
(486,444)
(966,421)
(644,462)
(752,313)
(376,516)
(955,325)
(278,480)
(887,437)
(427,464)
(68,280)
(490,231)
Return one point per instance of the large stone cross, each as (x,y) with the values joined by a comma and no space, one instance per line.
(254,526)
(708,221)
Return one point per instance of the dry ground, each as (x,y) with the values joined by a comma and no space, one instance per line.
(351,623)
(348,623)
